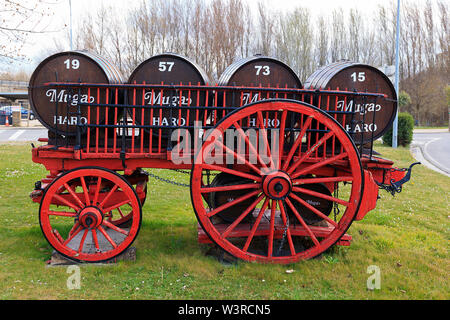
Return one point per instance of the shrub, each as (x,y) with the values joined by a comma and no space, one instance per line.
(405,130)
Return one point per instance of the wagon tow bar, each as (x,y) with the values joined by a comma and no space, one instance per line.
(396,186)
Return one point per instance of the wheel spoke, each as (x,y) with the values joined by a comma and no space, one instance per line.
(117,205)
(250,145)
(75,226)
(75,232)
(321,195)
(115,228)
(303,223)
(94,237)
(62,213)
(230,187)
(281,146)
(66,202)
(74,195)
(311,150)
(85,190)
(318,165)
(310,207)
(322,180)
(288,231)
(108,195)
(242,216)
(120,212)
(297,143)
(230,171)
(255,225)
(97,191)
(238,157)
(232,203)
(106,235)
(266,140)
(80,248)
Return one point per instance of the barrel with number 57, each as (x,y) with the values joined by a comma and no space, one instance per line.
(56,107)
(372,117)
(169,108)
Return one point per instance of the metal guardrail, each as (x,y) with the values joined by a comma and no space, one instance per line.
(13,84)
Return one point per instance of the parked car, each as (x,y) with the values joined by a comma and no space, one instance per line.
(8,110)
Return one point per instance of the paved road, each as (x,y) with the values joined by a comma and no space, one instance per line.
(21,134)
(435,148)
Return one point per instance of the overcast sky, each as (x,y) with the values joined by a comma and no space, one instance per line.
(36,49)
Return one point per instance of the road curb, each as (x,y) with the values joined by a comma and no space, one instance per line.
(430,130)
(21,128)
(428,160)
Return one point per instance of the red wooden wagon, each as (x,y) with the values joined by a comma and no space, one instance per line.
(276,180)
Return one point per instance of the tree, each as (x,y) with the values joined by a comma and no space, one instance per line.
(403,99)
(19,20)
(216,32)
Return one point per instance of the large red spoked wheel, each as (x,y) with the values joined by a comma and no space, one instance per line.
(76,214)
(304,185)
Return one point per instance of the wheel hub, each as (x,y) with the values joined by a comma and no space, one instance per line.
(277,185)
(90,217)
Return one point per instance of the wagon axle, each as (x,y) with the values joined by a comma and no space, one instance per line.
(277,185)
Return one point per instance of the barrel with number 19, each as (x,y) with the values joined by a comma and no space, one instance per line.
(56,107)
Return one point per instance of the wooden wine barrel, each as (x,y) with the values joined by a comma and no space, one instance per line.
(257,71)
(372,116)
(254,72)
(56,107)
(167,69)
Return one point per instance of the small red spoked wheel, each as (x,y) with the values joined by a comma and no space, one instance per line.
(312,168)
(75,214)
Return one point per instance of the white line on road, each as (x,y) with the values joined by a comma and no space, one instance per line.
(432,160)
(16,135)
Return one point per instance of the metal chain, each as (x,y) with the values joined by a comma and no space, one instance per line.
(285,229)
(181,171)
(174,182)
(168,181)
(336,209)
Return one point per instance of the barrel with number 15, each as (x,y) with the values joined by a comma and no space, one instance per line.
(371,116)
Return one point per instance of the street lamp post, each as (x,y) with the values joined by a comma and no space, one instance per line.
(397,54)
(70,12)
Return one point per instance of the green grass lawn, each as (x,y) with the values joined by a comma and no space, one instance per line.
(407,237)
